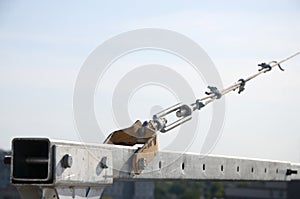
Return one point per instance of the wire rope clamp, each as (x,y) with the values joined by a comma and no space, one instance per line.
(242,85)
(265,66)
(214,90)
(198,105)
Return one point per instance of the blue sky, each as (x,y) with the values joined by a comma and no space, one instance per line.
(44,44)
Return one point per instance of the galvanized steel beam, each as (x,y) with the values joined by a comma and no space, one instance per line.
(72,169)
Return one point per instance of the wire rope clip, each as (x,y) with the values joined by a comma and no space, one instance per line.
(265,66)
(198,105)
(268,66)
(242,85)
(215,91)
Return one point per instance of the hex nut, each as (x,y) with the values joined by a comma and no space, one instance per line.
(67,161)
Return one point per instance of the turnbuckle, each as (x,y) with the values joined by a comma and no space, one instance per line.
(183,112)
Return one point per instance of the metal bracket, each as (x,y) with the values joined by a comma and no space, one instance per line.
(138,133)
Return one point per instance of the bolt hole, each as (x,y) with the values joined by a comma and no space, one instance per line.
(238,169)
(222,168)
(252,170)
(159,164)
(265,170)
(203,167)
(182,166)
(276,170)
